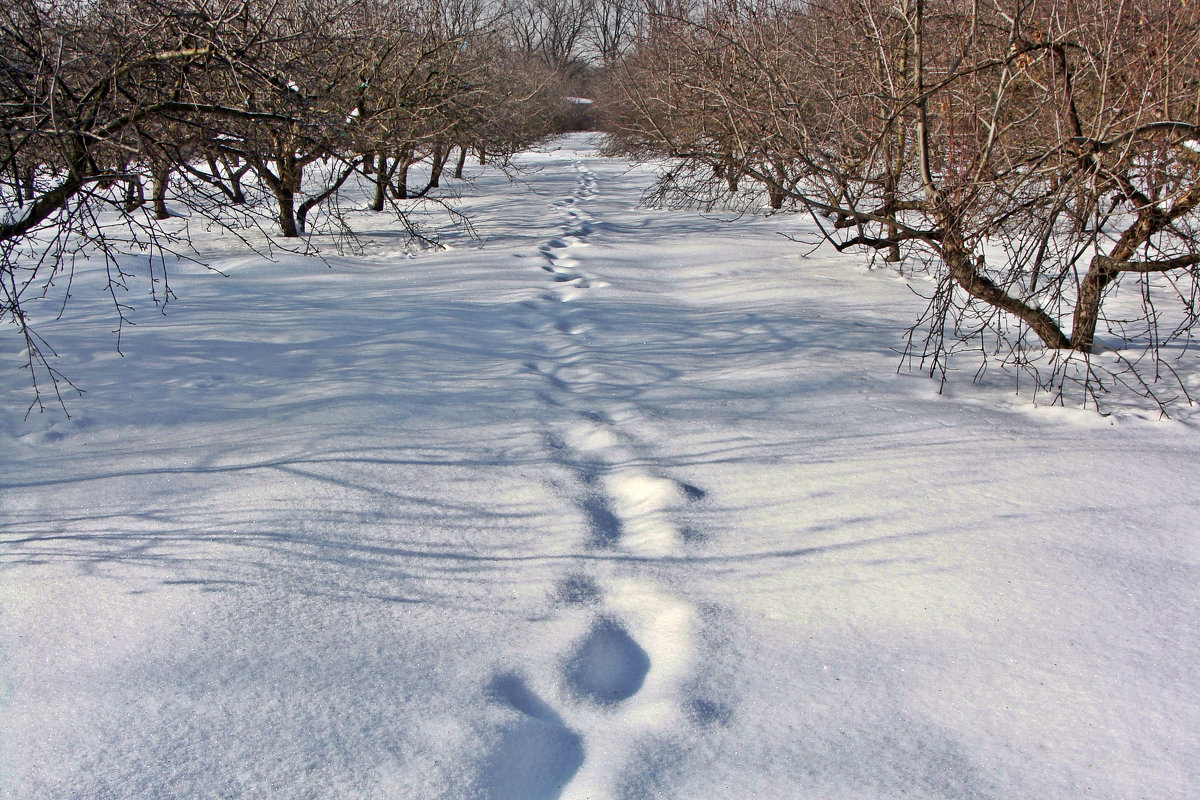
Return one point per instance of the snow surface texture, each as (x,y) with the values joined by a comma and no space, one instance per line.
(616,504)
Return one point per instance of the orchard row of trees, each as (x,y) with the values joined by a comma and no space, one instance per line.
(244,107)
(1040,158)
(1035,155)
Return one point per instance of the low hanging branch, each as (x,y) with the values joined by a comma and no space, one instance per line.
(314,201)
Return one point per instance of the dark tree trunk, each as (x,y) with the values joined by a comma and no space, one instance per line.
(967,274)
(462,161)
(30,193)
(316,200)
(236,194)
(400,188)
(381,181)
(291,178)
(286,199)
(18,182)
(1151,220)
(1087,305)
(437,164)
(729,171)
(896,162)
(775,187)
(775,195)
(889,210)
(405,160)
(135,193)
(161,175)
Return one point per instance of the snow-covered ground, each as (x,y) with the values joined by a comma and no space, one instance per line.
(614,503)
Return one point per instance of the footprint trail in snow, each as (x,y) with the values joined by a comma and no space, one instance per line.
(625,678)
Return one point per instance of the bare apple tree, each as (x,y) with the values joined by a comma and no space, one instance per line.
(228,108)
(1039,157)
(78,81)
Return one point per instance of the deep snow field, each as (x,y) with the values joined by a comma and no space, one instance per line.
(608,503)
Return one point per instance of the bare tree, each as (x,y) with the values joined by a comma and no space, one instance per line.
(76,81)
(1032,154)
(612,28)
(217,105)
(551,30)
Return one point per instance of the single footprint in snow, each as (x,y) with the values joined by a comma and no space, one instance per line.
(708,713)
(607,666)
(577,590)
(604,526)
(565,327)
(537,754)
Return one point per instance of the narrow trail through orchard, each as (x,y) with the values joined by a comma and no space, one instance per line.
(625,677)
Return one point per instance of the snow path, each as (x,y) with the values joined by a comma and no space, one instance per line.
(636,652)
(618,504)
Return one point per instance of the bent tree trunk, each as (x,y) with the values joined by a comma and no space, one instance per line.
(50,201)
(234,174)
(966,273)
(308,205)
(437,164)
(1104,269)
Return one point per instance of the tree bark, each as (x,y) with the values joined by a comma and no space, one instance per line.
(161,175)
(437,164)
(1087,305)
(400,190)
(728,170)
(381,181)
(775,195)
(896,162)
(135,194)
(236,194)
(966,273)
(286,199)
(1151,220)
(316,200)
(49,202)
